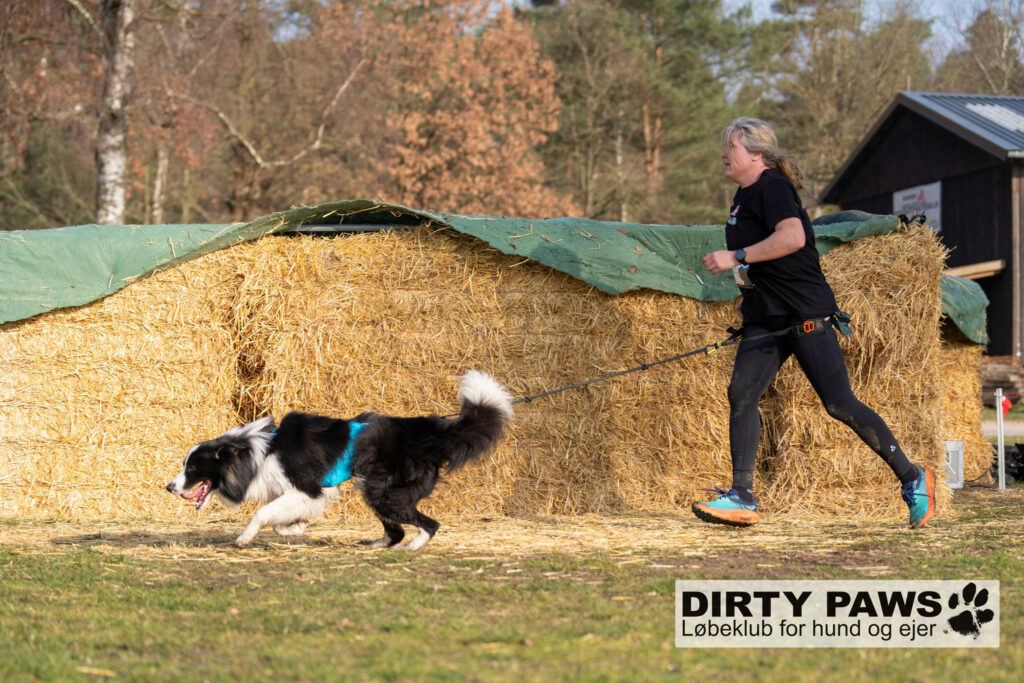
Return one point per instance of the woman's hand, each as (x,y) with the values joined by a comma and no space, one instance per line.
(718,261)
(786,238)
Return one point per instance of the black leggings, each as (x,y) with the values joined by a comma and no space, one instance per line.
(819,355)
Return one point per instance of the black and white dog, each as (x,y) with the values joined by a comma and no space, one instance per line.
(296,467)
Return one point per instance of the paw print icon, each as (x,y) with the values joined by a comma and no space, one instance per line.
(969,620)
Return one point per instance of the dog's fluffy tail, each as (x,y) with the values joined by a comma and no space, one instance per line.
(486,410)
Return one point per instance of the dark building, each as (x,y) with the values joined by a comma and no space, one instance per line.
(958,159)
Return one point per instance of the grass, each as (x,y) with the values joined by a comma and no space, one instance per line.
(1015,414)
(154,603)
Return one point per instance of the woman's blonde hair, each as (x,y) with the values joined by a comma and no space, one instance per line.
(757,137)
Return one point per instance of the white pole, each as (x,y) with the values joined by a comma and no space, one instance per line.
(1001,439)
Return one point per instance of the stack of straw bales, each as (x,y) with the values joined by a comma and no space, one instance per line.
(100,404)
(960,361)
(97,402)
(889,285)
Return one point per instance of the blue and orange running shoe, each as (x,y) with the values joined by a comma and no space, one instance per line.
(919,495)
(728,508)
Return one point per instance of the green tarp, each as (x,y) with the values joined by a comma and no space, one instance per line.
(42,270)
(964,303)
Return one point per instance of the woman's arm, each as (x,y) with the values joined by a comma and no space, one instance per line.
(787,238)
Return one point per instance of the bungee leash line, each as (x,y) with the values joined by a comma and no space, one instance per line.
(839,320)
(734,338)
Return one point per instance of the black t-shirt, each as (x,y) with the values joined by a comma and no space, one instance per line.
(792,286)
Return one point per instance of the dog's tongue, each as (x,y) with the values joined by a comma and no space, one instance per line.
(198,491)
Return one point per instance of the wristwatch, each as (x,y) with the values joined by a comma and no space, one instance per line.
(740,256)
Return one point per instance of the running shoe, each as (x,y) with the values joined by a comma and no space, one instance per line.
(919,495)
(728,508)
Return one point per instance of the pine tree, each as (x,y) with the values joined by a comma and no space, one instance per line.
(832,75)
(643,89)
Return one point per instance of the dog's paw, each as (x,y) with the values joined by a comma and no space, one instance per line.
(408,545)
(293,529)
(414,544)
(373,545)
(244,540)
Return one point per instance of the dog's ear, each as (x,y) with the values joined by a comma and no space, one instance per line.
(264,424)
(236,474)
(230,451)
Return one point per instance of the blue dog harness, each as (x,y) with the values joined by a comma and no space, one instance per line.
(342,470)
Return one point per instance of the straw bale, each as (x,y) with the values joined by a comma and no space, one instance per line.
(961,402)
(100,404)
(890,286)
(96,402)
(389,322)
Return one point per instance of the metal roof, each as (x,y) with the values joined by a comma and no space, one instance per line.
(994,123)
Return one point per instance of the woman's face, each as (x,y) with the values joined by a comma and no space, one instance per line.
(741,167)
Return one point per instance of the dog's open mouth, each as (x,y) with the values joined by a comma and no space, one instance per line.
(199,494)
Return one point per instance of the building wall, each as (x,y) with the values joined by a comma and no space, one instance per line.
(977,202)
(909,151)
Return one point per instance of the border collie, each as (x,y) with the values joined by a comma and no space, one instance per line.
(296,467)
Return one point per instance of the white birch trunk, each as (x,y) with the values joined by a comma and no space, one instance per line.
(111,154)
(159,183)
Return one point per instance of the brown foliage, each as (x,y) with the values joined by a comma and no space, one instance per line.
(468,108)
(238,109)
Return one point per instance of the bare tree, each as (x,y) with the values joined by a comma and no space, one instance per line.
(991,59)
(116,24)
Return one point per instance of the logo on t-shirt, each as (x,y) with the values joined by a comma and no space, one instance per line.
(732,215)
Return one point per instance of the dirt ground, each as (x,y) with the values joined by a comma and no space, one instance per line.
(986,519)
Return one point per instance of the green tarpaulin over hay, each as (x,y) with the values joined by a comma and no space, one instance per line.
(964,302)
(42,270)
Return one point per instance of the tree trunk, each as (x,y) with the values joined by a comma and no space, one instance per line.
(188,197)
(652,131)
(111,154)
(620,171)
(160,182)
(652,151)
